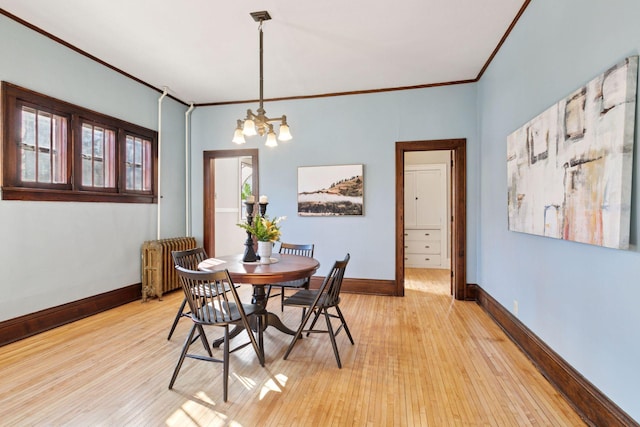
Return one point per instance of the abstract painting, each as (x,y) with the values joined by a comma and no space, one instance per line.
(330,190)
(570,168)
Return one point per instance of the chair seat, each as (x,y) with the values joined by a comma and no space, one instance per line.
(209,291)
(305,298)
(232,314)
(292,284)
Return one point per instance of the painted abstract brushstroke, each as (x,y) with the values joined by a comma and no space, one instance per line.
(570,168)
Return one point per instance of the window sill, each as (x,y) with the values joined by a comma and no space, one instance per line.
(47,195)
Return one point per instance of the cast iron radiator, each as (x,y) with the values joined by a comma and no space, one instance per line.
(158,272)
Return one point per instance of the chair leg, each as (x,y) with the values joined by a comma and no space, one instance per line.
(204,340)
(344,324)
(332,336)
(315,319)
(185,348)
(282,300)
(259,331)
(178,316)
(298,334)
(225,362)
(254,342)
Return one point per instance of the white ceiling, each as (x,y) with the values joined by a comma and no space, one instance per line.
(206,51)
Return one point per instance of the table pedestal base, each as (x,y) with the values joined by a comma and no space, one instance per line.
(258,321)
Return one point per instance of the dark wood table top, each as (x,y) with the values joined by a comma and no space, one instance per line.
(287,268)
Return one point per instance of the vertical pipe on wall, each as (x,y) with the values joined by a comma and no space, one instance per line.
(164,93)
(187,169)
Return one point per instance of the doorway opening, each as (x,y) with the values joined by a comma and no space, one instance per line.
(454,253)
(427,213)
(243,172)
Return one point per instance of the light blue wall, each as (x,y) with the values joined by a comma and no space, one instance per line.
(347,130)
(57,252)
(581,300)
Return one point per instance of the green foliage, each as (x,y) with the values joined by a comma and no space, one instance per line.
(246,191)
(264,229)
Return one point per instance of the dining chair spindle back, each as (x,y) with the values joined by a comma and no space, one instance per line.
(188,259)
(215,307)
(292,249)
(318,302)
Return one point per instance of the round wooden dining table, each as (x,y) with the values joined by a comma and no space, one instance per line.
(283,268)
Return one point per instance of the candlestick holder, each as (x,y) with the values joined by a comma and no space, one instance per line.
(249,252)
(263,208)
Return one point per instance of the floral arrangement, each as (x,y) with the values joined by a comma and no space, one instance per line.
(265,229)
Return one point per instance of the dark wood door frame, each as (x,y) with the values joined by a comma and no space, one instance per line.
(458,210)
(209,187)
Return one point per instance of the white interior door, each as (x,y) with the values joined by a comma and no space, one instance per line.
(229,238)
(430,198)
(426,203)
(410,213)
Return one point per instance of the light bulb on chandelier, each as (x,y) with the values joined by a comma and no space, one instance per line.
(258,123)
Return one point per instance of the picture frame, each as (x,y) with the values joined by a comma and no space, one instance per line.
(570,168)
(336,190)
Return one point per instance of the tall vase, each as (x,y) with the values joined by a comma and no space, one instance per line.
(264,250)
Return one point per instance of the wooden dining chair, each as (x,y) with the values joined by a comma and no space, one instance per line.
(215,308)
(292,249)
(188,259)
(318,302)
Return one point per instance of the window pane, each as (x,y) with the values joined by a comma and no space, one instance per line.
(28,165)
(43,138)
(138,156)
(29,126)
(129,158)
(146,186)
(98,172)
(108,152)
(44,131)
(98,156)
(59,147)
(44,167)
(86,171)
(98,142)
(87,155)
(138,179)
(138,164)
(130,184)
(87,140)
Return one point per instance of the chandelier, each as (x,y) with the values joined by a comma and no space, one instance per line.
(260,124)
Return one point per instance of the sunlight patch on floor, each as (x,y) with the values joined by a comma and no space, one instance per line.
(271,385)
(198,412)
(247,382)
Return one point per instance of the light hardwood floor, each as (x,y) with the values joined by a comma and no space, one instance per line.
(407,368)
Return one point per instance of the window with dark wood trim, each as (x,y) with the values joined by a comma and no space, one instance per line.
(56,151)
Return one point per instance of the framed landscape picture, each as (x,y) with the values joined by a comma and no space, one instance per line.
(330,190)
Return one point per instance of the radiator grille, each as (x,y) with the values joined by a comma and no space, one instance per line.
(158,272)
